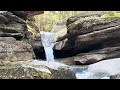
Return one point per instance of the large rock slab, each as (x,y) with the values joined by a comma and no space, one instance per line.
(35,70)
(89,32)
(21,14)
(68,60)
(12,50)
(97,55)
(117,76)
(59,29)
(12,25)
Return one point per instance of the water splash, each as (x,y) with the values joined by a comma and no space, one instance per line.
(82,72)
(51,64)
(48,43)
(100,70)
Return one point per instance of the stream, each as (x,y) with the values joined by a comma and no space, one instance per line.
(81,72)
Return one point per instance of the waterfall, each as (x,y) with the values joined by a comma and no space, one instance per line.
(48,44)
(100,70)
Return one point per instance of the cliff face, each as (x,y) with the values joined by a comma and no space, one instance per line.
(90,34)
(12,26)
(13,32)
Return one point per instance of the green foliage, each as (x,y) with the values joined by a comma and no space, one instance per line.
(114,14)
(46,21)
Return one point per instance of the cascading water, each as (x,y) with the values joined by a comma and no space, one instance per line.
(48,43)
(82,72)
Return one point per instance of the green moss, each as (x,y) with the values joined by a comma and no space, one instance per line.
(44,75)
(14,70)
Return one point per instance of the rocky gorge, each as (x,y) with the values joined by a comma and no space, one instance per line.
(86,39)
(18,47)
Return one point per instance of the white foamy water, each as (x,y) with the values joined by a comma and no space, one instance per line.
(101,70)
(48,43)
(107,67)
(50,64)
(90,75)
(2,11)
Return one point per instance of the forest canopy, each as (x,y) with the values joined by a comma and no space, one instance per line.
(46,21)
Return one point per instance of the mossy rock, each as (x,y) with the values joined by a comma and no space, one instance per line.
(12,70)
(28,70)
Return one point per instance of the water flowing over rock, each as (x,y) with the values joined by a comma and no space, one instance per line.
(106,68)
(48,43)
(85,46)
(101,70)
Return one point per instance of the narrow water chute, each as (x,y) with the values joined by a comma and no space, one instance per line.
(47,39)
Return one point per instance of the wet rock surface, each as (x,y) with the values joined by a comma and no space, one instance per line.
(35,70)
